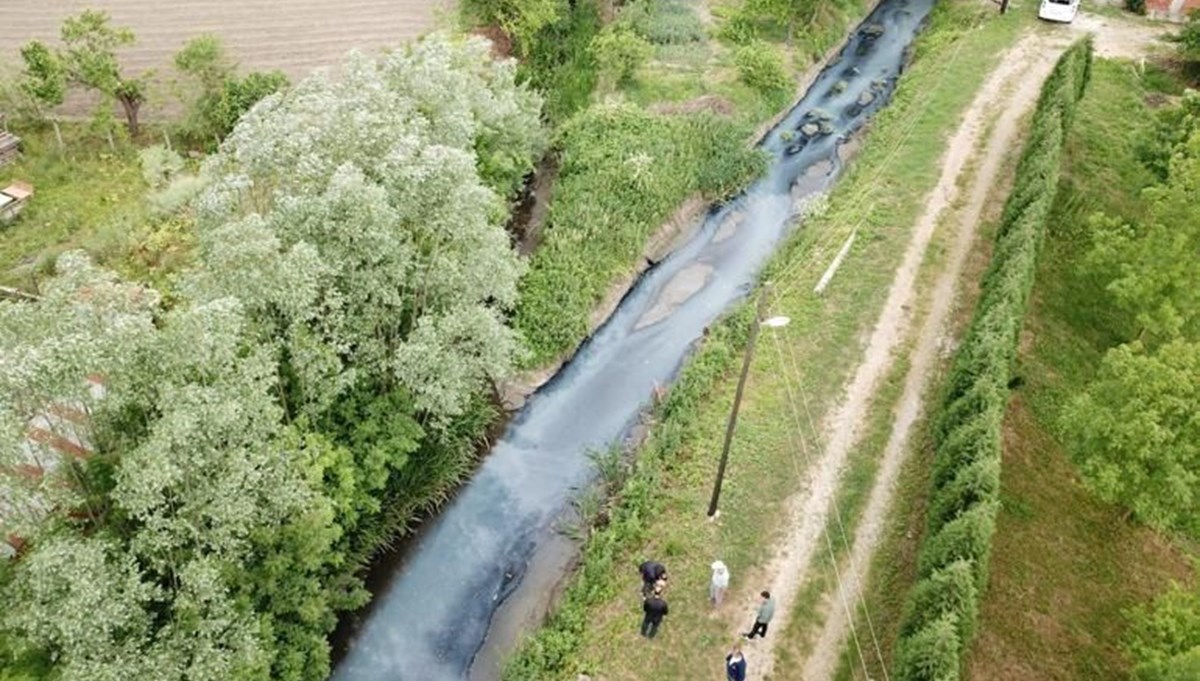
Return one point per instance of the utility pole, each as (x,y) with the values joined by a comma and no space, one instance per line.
(737,399)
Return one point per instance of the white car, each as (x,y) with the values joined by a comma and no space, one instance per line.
(1063,11)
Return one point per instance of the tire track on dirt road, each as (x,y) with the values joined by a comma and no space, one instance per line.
(1012,89)
(809,511)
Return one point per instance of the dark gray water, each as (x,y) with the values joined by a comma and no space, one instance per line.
(429,621)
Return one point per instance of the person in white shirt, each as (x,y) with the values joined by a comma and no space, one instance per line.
(720,582)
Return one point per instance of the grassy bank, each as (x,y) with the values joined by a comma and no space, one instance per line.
(882,194)
(1066,567)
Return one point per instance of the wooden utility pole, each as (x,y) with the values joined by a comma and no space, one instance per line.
(737,398)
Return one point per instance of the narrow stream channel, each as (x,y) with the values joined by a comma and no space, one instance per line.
(481,573)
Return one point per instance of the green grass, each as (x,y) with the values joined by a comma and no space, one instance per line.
(88,197)
(623,172)
(883,193)
(1065,567)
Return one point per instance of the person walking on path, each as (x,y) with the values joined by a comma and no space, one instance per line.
(766,610)
(652,573)
(654,609)
(720,582)
(735,665)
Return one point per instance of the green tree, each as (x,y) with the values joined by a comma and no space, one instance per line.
(44,81)
(521,20)
(90,47)
(1135,435)
(1151,265)
(221,97)
(1164,637)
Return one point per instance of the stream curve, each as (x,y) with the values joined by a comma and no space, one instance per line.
(481,572)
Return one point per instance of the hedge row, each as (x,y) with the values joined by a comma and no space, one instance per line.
(940,616)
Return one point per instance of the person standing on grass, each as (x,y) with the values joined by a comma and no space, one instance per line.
(766,610)
(654,609)
(720,582)
(652,573)
(735,665)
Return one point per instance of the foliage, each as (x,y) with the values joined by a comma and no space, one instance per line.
(559,61)
(89,58)
(1187,42)
(760,66)
(1164,638)
(1150,264)
(371,246)
(967,427)
(45,77)
(221,96)
(159,165)
(664,22)
(618,52)
(1173,127)
(521,20)
(324,378)
(1136,6)
(1135,435)
(623,172)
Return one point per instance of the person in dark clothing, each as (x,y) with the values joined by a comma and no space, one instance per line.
(735,665)
(654,609)
(766,610)
(652,572)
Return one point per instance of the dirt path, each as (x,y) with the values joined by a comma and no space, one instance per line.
(1012,90)
(809,510)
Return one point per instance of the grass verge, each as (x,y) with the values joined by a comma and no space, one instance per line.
(594,630)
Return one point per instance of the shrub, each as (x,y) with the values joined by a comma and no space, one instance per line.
(930,654)
(664,22)
(760,66)
(1136,6)
(1164,636)
(950,590)
(618,53)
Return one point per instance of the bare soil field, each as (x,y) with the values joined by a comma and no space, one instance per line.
(295,36)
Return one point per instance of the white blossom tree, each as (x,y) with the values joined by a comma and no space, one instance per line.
(358,214)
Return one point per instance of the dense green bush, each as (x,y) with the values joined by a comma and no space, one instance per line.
(559,61)
(618,52)
(760,66)
(624,171)
(664,22)
(1164,639)
(965,495)
(1136,6)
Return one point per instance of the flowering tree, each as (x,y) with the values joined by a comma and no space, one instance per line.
(360,221)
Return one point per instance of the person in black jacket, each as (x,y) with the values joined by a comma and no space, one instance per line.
(652,572)
(654,609)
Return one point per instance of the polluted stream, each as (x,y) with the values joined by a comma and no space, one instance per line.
(480,575)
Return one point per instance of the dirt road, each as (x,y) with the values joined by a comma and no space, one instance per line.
(997,113)
(1012,89)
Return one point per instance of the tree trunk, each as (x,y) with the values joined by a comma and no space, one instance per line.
(131,106)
